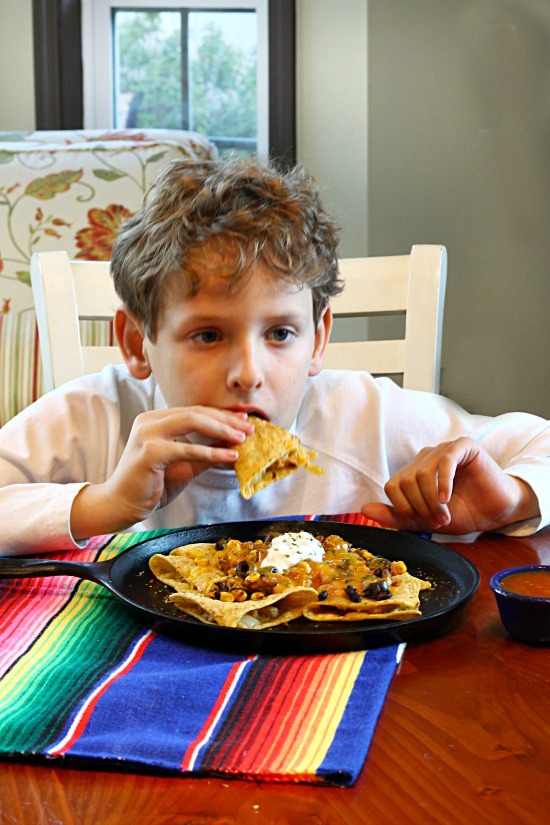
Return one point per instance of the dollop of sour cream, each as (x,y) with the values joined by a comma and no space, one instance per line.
(290,548)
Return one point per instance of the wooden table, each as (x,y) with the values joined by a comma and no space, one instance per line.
(464,737)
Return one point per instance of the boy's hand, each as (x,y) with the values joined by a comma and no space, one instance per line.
(454,488)
(156,466)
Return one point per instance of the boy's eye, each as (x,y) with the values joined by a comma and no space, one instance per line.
(207,336)
(282,334)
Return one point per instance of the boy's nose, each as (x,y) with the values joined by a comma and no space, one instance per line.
(245,373)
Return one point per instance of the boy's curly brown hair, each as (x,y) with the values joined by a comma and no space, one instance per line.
(248,211)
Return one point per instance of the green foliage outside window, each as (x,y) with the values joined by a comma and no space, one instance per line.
(222,79)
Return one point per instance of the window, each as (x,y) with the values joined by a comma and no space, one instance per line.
(167,65)
(65,97)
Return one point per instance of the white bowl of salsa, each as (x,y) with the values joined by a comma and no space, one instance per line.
(523,600)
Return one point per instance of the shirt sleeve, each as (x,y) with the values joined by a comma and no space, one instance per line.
(67,439)
(39,518)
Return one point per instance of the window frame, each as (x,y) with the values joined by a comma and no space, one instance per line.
(59,81)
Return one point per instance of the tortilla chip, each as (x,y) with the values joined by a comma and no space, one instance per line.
(403,604)
(334,614)
(269,454)
(289,605)
(191,570)
(189,567)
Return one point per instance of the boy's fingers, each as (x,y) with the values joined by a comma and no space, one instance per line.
(420,491)
(400,497)
(382,513)
(453,454)
(445,478)
(171,452)
(413,492)
(175,423)
(388,516)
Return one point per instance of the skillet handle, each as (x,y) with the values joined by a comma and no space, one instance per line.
(24,568)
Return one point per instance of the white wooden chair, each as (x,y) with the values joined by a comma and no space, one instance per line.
(66,292)
(413,285)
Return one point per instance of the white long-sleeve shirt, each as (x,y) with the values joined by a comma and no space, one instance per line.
(363,429)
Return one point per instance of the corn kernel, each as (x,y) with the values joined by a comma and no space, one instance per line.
(233,546)
(252,577)
(227,597)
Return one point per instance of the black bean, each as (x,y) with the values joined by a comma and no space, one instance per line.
(323,595)
(377,590)
(221,544)
(221,587)
(352,593)
(242,568)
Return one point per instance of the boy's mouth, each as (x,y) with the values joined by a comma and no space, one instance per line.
(251,411)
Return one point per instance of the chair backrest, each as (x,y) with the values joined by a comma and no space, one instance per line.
(410,285)
(67,292)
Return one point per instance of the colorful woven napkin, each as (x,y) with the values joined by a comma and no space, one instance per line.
(81,680)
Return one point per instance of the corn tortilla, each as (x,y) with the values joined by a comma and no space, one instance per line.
(269,454)
(403,604)
(191,571)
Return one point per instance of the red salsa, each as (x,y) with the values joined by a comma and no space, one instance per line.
(529,583)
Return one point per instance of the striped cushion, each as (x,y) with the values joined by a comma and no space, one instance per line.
(20,366)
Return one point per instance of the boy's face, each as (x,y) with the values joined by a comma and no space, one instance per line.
(249,349)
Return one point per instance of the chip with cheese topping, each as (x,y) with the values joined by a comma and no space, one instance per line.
(269,454)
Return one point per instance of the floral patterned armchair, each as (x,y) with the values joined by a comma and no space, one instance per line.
(67,191)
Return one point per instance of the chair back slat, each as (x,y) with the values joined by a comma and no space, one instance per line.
(410,285)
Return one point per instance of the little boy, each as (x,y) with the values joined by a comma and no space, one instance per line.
(225,278)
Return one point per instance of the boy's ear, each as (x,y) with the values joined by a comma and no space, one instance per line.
(322,334)
(130,337)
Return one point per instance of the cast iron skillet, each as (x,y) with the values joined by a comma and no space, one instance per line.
(128,577)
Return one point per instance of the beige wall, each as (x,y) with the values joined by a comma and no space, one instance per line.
(332,109)
(16,66)
(424,121)
(459,153)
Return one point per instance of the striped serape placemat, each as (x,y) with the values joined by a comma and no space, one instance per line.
(82,682)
